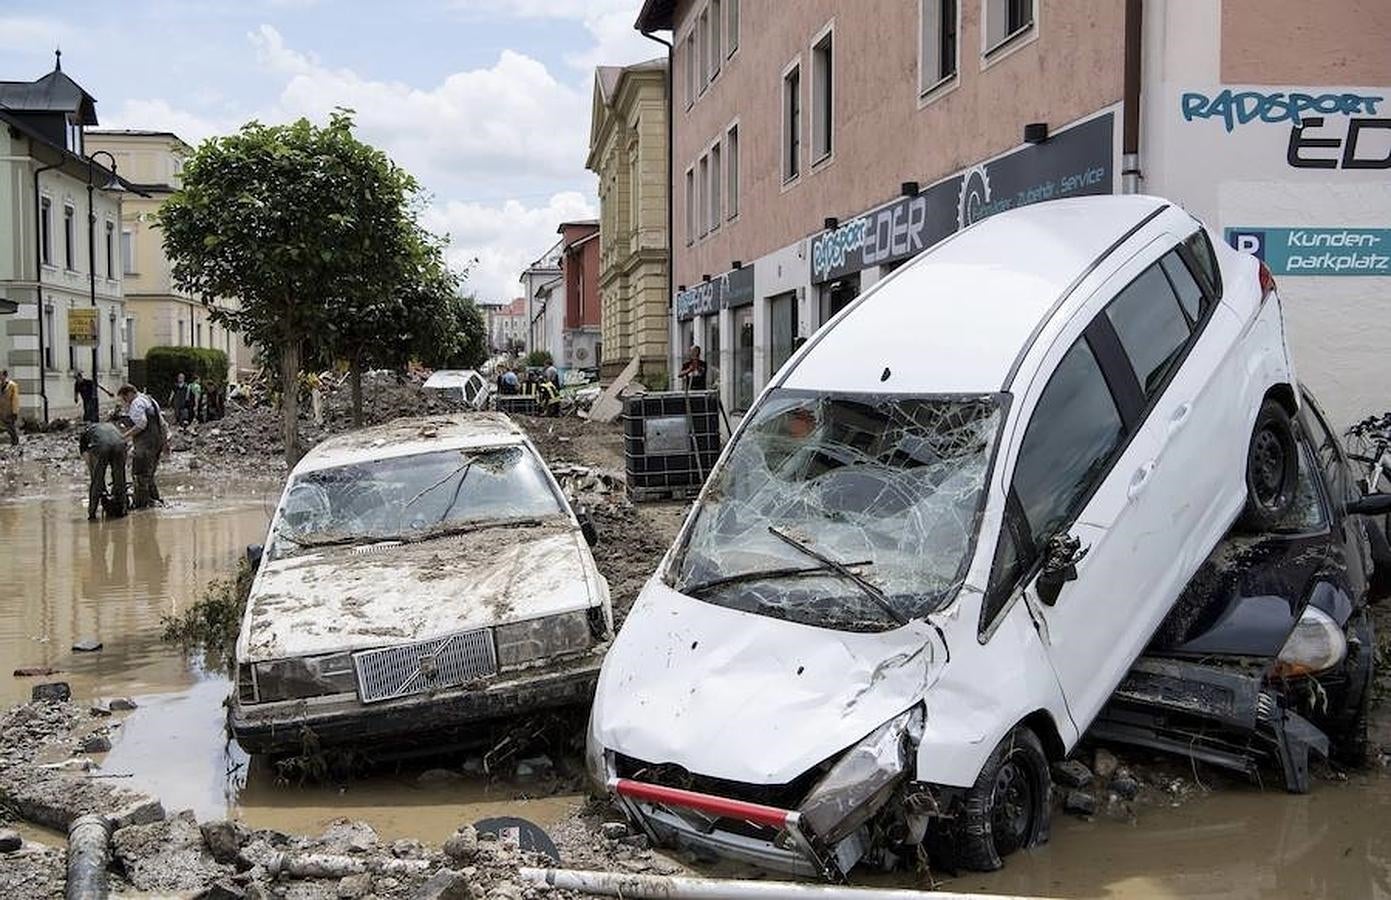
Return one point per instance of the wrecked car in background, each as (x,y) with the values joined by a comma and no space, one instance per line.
(1267,658)
(942,536)
(423,575)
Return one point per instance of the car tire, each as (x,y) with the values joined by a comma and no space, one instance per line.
(1008,806)
(1272,469)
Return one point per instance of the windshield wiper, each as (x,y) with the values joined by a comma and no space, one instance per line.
(870,590)
(446,529)
(761,575)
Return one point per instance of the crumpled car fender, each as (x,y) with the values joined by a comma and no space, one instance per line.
(983,692)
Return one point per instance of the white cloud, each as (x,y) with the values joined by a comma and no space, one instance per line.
(504,238)
(609,23)
(28,32)
(160,115)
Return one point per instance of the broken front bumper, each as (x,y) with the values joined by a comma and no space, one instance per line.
(342,719)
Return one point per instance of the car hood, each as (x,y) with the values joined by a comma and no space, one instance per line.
(748,698)
(356,598)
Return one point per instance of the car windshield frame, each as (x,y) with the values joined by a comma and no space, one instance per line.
(695,569)
(455,465)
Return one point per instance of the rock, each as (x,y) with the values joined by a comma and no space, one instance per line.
(10,841)
(506,890)
(121,704)
(349,837)
(142,810)
(100,710)
(87,645)
(355,886)
(95,743)
(222,890)
(167,857)
(438,776)
(535,767)
(193,466)
(222,840)
(462,846)
(444,885)
(1079,803)
(1104,764)
(35,671)
(1072,773)
(1125,785)
(52,692)
(407,848)
(614,830)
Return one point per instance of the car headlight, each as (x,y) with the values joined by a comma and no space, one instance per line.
(861,780)
(1315,645)
(298,677)
(534,640)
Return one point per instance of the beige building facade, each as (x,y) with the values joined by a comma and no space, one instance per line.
(158,313)
(61,304)
(627,151)
(819,145)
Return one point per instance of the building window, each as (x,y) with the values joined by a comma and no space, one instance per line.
(46,230)
(743,358)
(711,351)
(716,38)
(127,251)
(690,207)
(690,69)
(782,320)
(110,250)
(130,337)
(181,333)
(703,184)
(731,143)
(69,238)
(198,340)
(1004,19)
(74,136)
(822,101)
(732,19)
(792,123)
(703,39)
(938,49)
(716,197)
(51,335)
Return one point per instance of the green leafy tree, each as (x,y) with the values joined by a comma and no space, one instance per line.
(309,228)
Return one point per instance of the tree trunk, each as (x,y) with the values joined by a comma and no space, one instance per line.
(289,401)
(355,371)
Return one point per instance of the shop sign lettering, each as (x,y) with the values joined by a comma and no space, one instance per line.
(1244,107)
(1317,251)
(1331,130)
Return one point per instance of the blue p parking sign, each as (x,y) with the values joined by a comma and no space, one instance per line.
(1317,251)
(1252,242)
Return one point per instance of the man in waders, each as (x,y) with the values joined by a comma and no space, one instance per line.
(146,435)
(102,446)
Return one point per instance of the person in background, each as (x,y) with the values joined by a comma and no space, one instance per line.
(9,406)
(84,390)
(508,383)
(547,397)
(693,371)
(178,399)
(553,375)
(102,446)
(196,409)
(147,437)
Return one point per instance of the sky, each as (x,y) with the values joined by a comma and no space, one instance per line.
(486,102)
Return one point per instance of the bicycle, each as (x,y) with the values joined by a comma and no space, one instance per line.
(1369,443)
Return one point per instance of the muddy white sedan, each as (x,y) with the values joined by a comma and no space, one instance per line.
(425,575)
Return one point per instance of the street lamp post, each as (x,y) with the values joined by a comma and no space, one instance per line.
(113,185)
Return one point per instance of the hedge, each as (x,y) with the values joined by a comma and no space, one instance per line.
(162,364)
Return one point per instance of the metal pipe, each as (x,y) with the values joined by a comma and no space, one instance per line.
(661,887)
(1130,133)
(38,285)
(89,841)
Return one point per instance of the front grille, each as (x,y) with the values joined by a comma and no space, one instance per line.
(781,796)
(426,666)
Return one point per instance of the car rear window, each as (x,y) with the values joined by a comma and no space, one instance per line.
(1151,327)
(1185,285)
(1201,248)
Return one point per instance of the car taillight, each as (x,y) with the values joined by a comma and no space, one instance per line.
(1267,282)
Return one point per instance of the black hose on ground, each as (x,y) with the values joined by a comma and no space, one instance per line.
(89,853)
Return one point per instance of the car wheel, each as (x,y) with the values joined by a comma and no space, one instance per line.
(1272,469)
(1008,806)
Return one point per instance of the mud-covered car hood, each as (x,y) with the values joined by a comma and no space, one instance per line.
(344,598)
(748,698)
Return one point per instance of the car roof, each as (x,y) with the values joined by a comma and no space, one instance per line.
(407,437)
(956,318)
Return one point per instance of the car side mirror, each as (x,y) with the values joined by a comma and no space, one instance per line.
(587,527)
(253,555)
(1370,505)
(1060,560)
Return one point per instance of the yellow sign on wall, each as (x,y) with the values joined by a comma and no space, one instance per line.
(82,326)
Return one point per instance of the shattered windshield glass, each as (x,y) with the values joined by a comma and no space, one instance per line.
(412,497)
(849,511)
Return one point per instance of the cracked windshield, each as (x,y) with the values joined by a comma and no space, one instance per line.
(853,512)
(414,497)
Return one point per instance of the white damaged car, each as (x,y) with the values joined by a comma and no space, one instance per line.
(942,536)
(422,576)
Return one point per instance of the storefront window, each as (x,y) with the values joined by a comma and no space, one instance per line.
(783,321)
(685,337)
(743,358)
(711,351)
(838,294)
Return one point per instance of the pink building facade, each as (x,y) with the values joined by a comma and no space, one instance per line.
(818,145)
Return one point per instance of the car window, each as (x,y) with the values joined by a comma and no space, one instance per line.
(1151,327)
(1330,453)
(1071,439)
(1201,248)
(1190,294)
